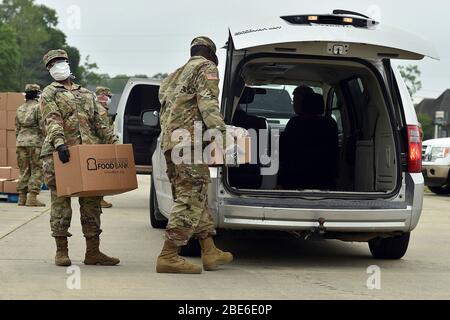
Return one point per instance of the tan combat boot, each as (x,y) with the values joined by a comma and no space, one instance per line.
(170,262)
(32,201)
(212,257)
(105,204)
(62,252)
(95,257)
(22,199)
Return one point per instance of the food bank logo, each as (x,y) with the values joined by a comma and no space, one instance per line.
(106,164)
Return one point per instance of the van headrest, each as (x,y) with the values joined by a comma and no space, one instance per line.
(313,104)
(248,96)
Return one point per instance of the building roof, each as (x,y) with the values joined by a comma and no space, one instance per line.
(430,106)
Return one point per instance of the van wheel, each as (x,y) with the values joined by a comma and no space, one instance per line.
(192,249)
(157,220)
(443,190)
(390,248)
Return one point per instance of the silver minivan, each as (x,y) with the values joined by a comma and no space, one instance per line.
(352,172)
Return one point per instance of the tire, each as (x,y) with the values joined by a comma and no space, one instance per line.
(157,220)
(442,191)
(393,248)
(192,249)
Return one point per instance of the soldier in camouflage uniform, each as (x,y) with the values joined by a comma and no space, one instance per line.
(190,95)
(104,96)
(71,117)
(29,138)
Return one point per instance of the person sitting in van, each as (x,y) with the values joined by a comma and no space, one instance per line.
(309,145)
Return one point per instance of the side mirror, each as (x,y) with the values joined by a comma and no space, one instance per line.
(150,118)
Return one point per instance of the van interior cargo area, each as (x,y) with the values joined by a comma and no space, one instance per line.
(141,98)
(335,132)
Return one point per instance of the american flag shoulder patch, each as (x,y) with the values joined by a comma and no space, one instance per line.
(212,76)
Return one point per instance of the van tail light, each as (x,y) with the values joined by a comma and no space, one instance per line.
(415,150)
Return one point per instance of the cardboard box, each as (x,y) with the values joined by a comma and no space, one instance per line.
(5,173)
(3,99)
(216,158)
(3,119)
(10,187)
(12,158)
(10,139)
(3,141)
(3,157)
(2,182)
(14,101)
(96,170)
(15,173)
(11,120)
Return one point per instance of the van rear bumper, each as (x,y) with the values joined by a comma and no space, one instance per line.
(395,215)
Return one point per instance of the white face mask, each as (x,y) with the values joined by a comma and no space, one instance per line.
(108,102)
(60,71)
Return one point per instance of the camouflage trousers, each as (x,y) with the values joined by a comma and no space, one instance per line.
(190,215)
(30,165)
(61,209)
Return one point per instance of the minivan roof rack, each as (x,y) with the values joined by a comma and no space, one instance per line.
(340,11)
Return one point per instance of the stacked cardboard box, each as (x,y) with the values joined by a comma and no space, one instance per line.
(8,180)
(9,102)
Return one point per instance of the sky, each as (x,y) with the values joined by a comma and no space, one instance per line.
(148,36)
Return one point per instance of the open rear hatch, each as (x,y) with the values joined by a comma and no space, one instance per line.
(357,137)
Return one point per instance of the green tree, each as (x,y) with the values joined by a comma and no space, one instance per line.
(160,76)
(35,32)
(427,125)
(411,75)
(89,75)
(9,59)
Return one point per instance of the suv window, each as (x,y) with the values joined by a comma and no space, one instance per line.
(271,103)
(336,113)
(274,103)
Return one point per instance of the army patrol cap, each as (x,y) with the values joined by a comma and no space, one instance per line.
(99,91)
(32,87)
(204,41)
(54,54)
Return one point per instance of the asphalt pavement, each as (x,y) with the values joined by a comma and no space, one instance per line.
(267,265)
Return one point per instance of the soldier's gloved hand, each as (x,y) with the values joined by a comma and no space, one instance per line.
(63,153)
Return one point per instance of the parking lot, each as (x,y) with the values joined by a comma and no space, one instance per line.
(267,266)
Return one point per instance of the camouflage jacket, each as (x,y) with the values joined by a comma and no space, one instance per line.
(103,111)
(71,117)
(188,95)
(29,125)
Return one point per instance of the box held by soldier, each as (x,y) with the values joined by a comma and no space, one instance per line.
(96,170)
(244,156)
